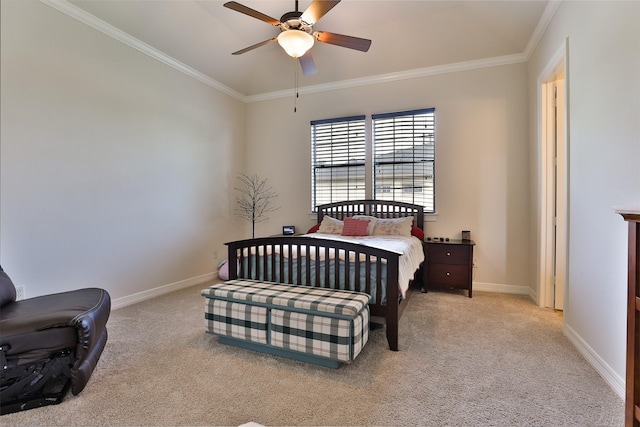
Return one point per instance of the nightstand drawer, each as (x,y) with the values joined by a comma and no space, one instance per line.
(449,254)
(449,275)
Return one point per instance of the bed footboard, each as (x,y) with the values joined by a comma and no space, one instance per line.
(324,263)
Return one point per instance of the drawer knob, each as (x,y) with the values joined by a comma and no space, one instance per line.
(448,274)
(448,253)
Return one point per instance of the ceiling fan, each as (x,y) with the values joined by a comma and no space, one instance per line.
(296,32)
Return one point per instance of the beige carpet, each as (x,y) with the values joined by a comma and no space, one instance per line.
(494,360)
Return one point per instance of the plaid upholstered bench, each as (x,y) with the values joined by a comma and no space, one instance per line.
(322,326)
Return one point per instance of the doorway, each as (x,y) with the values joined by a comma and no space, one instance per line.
(554,190)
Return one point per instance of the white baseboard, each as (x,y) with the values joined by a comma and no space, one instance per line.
(614,380)
(161,290)
(165,289)
(505,289)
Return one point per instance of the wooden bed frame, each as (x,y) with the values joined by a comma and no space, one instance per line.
(372,259)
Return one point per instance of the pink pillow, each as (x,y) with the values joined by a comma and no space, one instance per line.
(355,227)
(223,270)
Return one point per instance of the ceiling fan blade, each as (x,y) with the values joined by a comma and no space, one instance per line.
(247,49)
(317,9)
(307,64)
(253,13)
(341,40)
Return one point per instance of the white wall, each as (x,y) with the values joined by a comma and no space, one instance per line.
(115,169)
(603,74)
(481,158)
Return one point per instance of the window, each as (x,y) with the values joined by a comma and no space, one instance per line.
(403,150)
(338,160)
(404,157)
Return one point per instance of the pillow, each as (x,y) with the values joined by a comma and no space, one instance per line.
(393,226)
(314,229)
(372,223)
(355,227)
(330,225)
(223,270)
(417,232)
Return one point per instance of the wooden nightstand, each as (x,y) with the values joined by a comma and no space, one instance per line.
(449,264)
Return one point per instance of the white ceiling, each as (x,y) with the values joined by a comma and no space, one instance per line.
(406,35)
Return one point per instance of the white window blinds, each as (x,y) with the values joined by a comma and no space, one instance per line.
(404,157)
(338,159)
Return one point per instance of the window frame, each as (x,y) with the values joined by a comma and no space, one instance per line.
(401,136)
(368,162)
(337,150)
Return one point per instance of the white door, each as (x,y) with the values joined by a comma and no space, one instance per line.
(554,190)
(560,226)
(553,181)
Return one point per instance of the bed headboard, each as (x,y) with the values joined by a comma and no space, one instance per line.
(376,208)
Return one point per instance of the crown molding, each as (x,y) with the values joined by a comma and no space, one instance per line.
(547,15)
(392,77)
(125,38)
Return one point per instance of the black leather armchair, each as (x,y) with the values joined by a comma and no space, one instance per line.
(48,344)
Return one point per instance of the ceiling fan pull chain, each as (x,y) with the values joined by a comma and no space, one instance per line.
(295,100)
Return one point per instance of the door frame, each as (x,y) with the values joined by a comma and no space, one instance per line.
(546,182)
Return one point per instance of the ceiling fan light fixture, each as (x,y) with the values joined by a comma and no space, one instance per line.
(295,42)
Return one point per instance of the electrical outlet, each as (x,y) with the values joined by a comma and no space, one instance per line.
(215,254)
(475,262)
(19,293)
